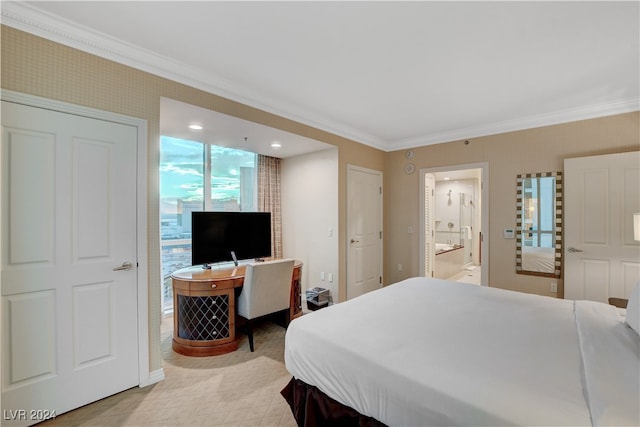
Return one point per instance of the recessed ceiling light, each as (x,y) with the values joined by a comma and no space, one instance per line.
(276,145)
(195,127)
(446,178)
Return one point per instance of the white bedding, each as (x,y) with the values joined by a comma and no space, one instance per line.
(432,352)
(538,259)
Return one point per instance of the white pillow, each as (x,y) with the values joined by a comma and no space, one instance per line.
(633,309)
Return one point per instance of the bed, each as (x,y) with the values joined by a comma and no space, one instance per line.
(432,352)
(538,259)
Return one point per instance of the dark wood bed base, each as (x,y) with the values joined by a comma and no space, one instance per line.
(311,408)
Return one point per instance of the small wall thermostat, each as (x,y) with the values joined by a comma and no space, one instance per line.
(509,233)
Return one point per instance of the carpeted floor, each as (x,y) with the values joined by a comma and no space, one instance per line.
(235,389)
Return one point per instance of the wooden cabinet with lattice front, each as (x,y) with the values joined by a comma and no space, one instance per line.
(204,317)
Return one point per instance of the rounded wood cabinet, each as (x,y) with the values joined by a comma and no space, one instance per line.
(204,308)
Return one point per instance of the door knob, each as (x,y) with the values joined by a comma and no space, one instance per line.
(574,250)
(355,241)
(125,266)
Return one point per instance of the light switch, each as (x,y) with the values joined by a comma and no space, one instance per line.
(330,276)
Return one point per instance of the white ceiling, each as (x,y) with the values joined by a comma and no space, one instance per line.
(228,131)
(392,75)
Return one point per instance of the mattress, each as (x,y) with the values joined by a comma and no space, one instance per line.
(538,259)
(432,352)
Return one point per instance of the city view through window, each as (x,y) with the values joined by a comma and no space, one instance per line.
(539,212)
(198,177)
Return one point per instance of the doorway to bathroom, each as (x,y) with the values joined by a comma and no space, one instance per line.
(454,223)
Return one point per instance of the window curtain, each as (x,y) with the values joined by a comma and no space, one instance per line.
(269,198)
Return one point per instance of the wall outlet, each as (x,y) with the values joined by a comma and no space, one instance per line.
(553,287)
(400,267)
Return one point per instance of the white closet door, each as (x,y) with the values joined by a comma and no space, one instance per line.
(601,195)
(69,326)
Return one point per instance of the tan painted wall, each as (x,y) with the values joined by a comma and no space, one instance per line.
(40,67)
(535,150)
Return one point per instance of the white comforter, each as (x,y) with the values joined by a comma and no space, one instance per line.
(431,352)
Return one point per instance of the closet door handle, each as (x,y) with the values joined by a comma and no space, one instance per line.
(125,266)
(574,250)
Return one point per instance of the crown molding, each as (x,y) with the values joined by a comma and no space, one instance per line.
(32,20)
(522,123)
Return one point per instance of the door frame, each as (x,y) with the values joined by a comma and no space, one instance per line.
(423,229)
(350,168)
(484,190)
(144,375)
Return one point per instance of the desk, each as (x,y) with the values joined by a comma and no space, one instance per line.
(204,308)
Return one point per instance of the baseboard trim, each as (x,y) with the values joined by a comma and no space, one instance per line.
(154,377)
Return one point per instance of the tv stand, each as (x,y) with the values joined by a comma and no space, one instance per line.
(204,308)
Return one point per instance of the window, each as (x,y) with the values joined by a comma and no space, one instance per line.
(539,212)
(195,176)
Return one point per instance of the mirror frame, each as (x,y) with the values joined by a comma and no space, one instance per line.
(558,224)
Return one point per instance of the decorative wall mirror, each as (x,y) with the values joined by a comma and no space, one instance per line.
(539,224)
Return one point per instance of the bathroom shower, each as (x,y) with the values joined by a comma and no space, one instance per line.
(454,220)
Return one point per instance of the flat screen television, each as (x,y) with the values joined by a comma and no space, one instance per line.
(217,236)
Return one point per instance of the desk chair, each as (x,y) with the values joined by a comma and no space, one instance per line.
(266,290)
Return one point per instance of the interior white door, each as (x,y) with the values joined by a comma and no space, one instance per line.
(69,284)
(364,230)
(429,224)
(601,195)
